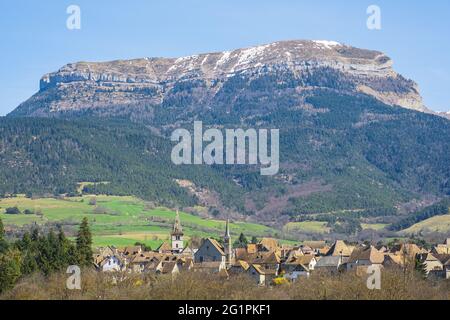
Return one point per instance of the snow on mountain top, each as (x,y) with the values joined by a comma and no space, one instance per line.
(327,44)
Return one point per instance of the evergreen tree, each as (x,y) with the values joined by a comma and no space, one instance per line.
(54,254)
(2,230)
(241,242)
(10,269)
(254,240)
(35,234)
(84,244)
(28,249)
(66,250)
(3,243)
(44,256)
(421,268)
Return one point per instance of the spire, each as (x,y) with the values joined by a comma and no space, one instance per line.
(177,229)
(227,229)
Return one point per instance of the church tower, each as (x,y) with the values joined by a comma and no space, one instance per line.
(227,244)
(177,236)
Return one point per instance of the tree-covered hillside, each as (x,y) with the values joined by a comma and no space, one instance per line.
(51,156)
(338,152)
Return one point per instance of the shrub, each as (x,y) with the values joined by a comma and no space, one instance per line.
(13,210)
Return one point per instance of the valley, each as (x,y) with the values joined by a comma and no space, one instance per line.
(119,221)
(125,220)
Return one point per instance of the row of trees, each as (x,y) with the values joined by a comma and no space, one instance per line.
(45,254)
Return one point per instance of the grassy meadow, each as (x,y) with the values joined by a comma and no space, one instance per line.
(121,221)
(435,224)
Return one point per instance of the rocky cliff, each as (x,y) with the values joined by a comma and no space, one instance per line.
(198,80)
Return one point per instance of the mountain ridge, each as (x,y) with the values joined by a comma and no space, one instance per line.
(151,81)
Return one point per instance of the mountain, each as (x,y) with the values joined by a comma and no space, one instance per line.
(136,87)
(445,114)
(354,134)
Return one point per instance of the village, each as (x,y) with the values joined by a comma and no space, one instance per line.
(267,262)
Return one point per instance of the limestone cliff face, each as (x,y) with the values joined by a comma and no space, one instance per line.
(302,65)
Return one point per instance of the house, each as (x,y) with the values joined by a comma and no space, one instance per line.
(298,267)
(131,251)
(393,261)
(329,264)
(307,250)
(293,254)
(185,264)
(113,263)
(308,261)
(210,251)
(409,250)
(262,276)
(365,256)
(209,266)
(165,247)
(252,248)
(297,271)
(339,248)
(318,247)
(268,244)
(170,267)
(431,262)
(103,253)
(285,251)
(442,248)
(239,267)
(146,261)
(322,251)
(267,260)
(188,252)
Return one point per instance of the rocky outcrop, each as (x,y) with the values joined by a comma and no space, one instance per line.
(153,81)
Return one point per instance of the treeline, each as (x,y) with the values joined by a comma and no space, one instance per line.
(45,254)
(437,209)
(367,213)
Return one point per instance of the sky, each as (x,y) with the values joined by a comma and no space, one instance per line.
(34,38)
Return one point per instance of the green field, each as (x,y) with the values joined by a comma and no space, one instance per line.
(374,226)
(307,226)
(121,221)
(434,224)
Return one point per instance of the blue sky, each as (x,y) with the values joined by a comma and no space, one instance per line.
(34,38)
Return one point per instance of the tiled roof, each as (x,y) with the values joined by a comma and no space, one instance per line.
(339,248)
(217,246)
(328,261)
(371,254)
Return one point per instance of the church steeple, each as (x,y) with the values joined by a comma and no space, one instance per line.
(177,235)
(177,229)
(227,244)
(227,230)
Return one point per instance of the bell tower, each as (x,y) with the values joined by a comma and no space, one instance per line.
(177,236)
